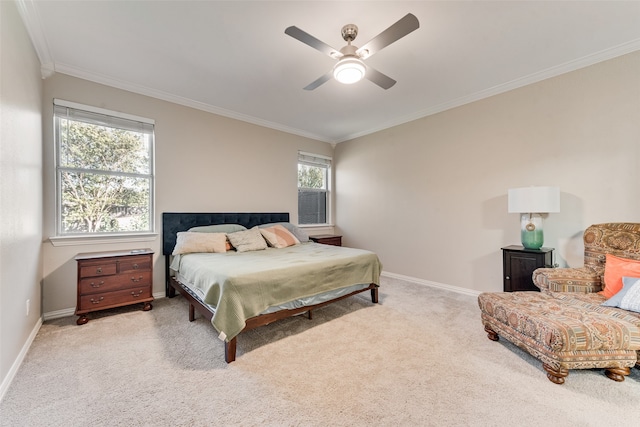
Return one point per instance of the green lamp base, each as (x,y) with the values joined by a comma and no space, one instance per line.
(532,239)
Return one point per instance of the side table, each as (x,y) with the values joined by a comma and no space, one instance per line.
(519,264)
(327,239)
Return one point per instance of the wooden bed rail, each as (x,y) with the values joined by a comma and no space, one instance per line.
(257,321)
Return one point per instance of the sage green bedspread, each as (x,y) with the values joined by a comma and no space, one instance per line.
(242,285)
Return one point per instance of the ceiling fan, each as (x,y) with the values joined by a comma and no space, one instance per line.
(350,67)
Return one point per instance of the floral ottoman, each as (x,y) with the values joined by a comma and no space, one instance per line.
(562,334)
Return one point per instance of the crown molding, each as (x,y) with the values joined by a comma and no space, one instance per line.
(567,67)
(33,24)
(49,67)
(548,73)
(158,94)
(47,70)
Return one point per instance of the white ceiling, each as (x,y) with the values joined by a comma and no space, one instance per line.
(234,59)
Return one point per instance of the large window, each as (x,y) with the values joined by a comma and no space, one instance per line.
(104,171)
(314,172)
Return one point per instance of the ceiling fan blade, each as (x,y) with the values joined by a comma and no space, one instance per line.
(395,32)
(382,80)
(321,80)
(309,40)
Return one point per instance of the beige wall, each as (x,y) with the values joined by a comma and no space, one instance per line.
(204,163)
(429,196)
(20,191)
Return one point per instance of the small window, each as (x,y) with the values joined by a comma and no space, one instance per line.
(104,171)
(314,174)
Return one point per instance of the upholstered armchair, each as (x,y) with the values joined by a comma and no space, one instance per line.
(570,324)
(621,239)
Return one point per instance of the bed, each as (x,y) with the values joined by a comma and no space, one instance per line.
(238,291)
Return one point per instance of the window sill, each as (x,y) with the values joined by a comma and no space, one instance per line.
(96,240)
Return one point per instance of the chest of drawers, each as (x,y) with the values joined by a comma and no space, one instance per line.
(113,279)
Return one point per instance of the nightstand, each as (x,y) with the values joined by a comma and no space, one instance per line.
(327,239)
(519,264)
(113,279)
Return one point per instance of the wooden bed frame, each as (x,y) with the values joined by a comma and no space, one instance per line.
(173,222)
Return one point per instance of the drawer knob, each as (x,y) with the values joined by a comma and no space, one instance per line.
(99,270)
(133,279)
(135,266)
(93,301)
(508,278)
(97,285)
(136,294)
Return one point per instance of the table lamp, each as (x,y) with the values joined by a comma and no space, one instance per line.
(530,202)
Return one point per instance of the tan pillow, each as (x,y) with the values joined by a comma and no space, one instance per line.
(249,240)
(189,242)
(279,237)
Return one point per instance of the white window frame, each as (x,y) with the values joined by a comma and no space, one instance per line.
(113,119)
(318,160)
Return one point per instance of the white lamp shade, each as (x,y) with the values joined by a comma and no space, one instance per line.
(349,70)
(534,200)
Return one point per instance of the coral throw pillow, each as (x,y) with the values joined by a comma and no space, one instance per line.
(614,269)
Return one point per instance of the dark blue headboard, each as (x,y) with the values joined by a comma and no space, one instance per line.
(173,222)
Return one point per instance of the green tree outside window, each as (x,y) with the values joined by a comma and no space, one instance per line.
(104,178)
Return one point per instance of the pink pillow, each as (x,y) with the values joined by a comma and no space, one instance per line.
(614,269)
(278,236)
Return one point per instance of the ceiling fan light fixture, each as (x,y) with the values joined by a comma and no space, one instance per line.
(349,70)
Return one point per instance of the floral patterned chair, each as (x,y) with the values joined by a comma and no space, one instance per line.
(565,325)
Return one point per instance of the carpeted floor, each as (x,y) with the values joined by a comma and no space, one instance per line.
(419,358)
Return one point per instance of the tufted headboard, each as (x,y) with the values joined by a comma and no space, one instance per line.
(173,222)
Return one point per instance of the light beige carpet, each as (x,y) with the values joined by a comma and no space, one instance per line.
(420,357)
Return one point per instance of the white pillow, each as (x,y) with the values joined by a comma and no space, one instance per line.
(631,299)
(631,287)
(249,240)
(189,242)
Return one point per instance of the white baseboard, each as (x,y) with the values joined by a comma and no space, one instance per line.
(6,382)
(58,314)
(159,295)
(415,280)
(71,311)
